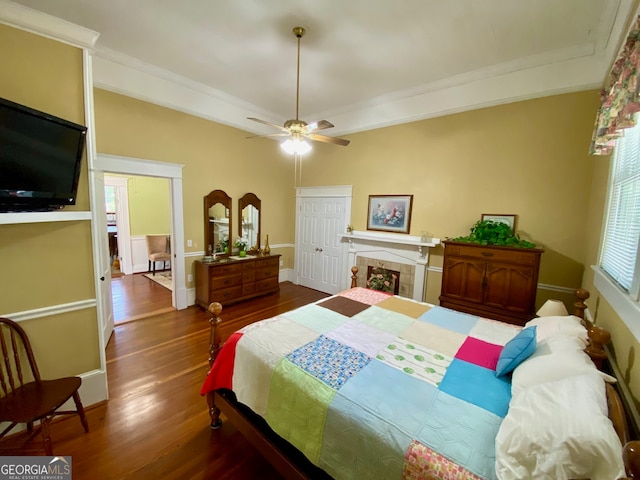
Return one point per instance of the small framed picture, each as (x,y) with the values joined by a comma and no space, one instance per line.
(502,218)
(390,213)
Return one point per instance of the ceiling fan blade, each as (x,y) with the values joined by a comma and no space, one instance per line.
(279,127)
(324,138)
(270,135)
(320,125)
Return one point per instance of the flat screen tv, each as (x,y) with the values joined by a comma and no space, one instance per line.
(40,158)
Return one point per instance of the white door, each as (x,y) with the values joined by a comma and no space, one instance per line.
(320,220)
(103,293)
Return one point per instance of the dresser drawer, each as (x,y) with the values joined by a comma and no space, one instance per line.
(248,289)
(268,284)
(224,269)
(226,294)
(262,273)
(518,255)
(218,283)
(248,277)
(248,266)
(268,262)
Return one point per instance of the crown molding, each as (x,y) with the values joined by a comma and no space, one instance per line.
(34,21)
(577,68)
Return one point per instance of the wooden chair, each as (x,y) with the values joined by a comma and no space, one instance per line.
(158,250)
(25,397)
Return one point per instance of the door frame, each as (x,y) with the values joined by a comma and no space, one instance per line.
(173,172)
(331,191)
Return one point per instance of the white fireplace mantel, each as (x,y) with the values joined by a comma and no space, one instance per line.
(405,249)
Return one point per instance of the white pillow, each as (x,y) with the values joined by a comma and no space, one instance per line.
(548,365)
(559,430)
(553,326)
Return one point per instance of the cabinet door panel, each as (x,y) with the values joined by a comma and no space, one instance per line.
(509,286)
(463,279)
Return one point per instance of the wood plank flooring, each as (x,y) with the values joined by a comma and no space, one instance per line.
(135,297)
(155,424)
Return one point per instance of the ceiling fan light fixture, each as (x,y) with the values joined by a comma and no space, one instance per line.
(296,146)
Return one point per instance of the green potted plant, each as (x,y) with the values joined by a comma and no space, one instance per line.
(488,232)
(241,244)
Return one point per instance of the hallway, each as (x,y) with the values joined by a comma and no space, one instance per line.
(136,297)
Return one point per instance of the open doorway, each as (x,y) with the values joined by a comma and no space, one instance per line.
(138,207)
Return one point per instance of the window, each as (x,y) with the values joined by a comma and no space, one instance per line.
(619,257)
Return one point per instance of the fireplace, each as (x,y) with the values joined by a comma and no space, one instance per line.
(382,278)
(407,256)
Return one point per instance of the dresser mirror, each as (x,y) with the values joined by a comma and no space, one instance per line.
(217,222)
(249,220)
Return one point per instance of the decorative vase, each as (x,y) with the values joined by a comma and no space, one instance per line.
(267,248)
(243,253)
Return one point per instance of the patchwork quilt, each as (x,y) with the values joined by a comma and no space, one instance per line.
(369,385)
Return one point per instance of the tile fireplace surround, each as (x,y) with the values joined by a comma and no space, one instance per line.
(404,253)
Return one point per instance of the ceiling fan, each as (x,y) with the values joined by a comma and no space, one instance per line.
(298,130)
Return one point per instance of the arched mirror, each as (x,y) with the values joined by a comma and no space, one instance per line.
(217,222)
(249,220)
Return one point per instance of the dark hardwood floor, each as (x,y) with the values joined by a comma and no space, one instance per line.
(155,424)
(135,296)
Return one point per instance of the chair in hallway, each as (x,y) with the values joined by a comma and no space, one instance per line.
(159,250)
(24,396)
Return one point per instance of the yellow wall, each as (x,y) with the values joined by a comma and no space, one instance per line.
(215,157)
(527,158)
(49,264)
(149,205)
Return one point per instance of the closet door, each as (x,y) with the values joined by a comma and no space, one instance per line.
(319,251)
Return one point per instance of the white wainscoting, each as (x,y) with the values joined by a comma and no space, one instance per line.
(139,254)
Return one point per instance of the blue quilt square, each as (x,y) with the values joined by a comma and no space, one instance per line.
(462,432)
(329,361)
(477,385)
(374,416)
(391,395)
(449,319)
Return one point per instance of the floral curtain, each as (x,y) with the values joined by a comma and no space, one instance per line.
(619,97)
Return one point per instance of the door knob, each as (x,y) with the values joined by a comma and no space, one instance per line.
(102,279)
(318,249)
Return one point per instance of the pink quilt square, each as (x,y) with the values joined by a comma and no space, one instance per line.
(479,353)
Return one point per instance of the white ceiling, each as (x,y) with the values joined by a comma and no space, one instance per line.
(364,63)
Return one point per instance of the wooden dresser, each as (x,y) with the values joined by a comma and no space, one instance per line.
(490,281)
(230,281)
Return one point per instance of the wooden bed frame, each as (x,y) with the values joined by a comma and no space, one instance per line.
(292,464)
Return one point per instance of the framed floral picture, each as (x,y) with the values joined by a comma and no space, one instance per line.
(390,213)
(509,219)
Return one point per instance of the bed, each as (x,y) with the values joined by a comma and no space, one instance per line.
(365,384)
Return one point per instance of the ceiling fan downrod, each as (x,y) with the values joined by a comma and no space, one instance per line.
(299,33)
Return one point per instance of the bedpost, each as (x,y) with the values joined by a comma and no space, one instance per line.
(214,347)
(631,457)
(214,337)
(354,276)
(579,306)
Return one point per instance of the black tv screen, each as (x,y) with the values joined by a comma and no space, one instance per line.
(40,158)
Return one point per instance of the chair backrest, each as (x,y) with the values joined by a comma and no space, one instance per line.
(157,244)
(18,364)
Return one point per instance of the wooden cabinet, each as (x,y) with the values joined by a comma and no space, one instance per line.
(490,281)
(230,281)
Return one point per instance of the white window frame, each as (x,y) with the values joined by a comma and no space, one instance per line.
(624,303)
